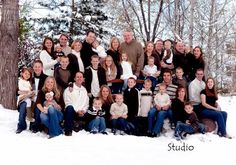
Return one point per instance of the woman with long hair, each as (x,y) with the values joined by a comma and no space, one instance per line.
(211,108)
(52,116)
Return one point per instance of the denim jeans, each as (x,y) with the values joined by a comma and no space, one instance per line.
(69,117)
(156,119)
(183,127)
(22,115)
(219,116)
(97,124)
(119,123)
(52,121)
(35,126)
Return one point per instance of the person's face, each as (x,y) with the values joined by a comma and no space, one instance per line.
(131,83)
(150,47)
(151,62)
(162,89)
(124,57)
(147,85)
(79,79)
(38,68)
(128,37)
(119,99)
(90,38)
(159,45)
(97,104)
(181,93)
(95,44)
(105,92)
(199,75)
(49,84)
(167,77)
(188,109)
(26,75)
(63,40)
(48,97)
(197,53)
(179,73)
(108,61)
(95,62)
(48,44)
(58,49)
(210,83)
(115,44)
(180,47)
(167,45)
(77,46)
(64,62)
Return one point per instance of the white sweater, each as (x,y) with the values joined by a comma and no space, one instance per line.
(48,63)
(100,51)
(80,62)
(162,99)
(195,87)
(78,98)
(127,70)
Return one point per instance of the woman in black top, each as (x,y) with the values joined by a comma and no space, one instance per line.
(211,108)
(177,105)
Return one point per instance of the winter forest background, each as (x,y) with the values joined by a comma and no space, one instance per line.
(210,24)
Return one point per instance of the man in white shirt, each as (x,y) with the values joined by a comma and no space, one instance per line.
(76,102)
(195,87)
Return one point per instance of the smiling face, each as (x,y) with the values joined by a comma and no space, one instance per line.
(188,108)
(128,37)
(49,83)
(97,104)
(79,79)
(64,61)
(77,46)
(91,37)
(38,68)
(210,83)
(48,44)
(108,61)
(181,93)
(197,52)
(119,99)
(25,74)
(63,40)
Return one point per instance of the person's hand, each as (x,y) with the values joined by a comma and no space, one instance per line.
(166,107)
(45,110)
(124,116)
(81,113)
(158,107)
(187,122)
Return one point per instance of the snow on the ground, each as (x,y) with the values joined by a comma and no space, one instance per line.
(84,149)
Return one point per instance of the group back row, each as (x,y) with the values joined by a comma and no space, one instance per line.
(121,69)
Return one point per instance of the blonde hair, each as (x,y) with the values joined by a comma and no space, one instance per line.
(74,42)
(112,40)
(113,66)
(54,89)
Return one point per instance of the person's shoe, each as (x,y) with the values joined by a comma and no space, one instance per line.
(113,131)
(68,133)
(122,133)
(93,131)
(104,133)
(149,133)
(18,131)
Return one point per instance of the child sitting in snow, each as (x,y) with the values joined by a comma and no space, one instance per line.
(191,125)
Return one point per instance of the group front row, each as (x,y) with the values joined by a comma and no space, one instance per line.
(133,112)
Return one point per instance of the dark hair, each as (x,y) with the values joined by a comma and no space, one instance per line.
(94,56)
(90,31)
(52,49)
(65,35)
(200,58)
(167,71)
(210,92)
(38,61)
(180,88)
(188,103)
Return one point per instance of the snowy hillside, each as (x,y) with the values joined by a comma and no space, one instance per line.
(85,149)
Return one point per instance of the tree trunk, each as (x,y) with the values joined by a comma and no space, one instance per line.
(9,53)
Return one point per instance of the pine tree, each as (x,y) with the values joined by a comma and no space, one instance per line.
(71,17)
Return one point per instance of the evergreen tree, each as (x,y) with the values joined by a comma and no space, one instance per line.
(73,17)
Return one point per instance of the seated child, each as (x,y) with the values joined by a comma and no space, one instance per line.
(49,101)
(118,112)
(192,124)
(150,71)
(95,116)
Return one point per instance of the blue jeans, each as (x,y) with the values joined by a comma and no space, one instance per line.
(183,127)
(219,116)
(69,117)
(35,126)
(119,123)
(52,121)
(22,115)
(98,124)
(156,119)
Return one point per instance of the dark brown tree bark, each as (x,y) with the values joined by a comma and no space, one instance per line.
(9,53)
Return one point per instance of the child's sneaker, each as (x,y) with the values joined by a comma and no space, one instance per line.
(94,131)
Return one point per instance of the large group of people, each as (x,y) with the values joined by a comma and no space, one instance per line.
(127,88)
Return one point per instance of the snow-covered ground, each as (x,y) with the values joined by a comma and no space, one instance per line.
(85,149)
